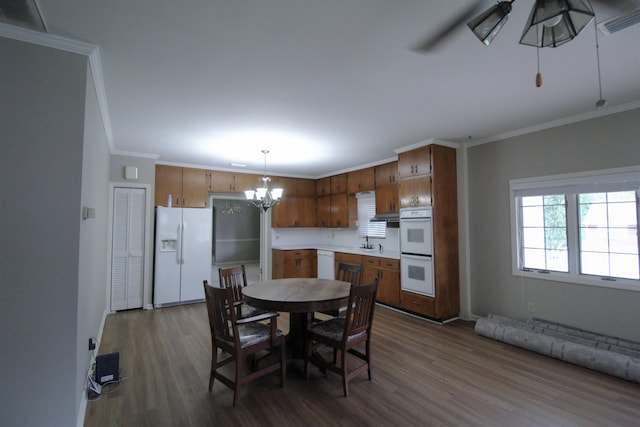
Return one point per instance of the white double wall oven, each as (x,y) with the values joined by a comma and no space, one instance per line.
(416,251)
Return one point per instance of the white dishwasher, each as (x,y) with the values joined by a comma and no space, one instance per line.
(326,264)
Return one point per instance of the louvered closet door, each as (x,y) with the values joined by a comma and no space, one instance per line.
(127,262)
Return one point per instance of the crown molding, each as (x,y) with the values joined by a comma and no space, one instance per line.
(73,46)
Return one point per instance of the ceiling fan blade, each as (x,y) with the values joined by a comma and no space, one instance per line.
(432,40)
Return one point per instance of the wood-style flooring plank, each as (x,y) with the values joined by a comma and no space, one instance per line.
(423,374)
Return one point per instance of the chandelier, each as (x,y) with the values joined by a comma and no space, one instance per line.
(263,198)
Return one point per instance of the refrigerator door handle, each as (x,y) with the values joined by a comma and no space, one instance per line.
(179,249)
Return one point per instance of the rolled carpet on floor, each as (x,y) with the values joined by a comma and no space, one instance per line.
(602,353)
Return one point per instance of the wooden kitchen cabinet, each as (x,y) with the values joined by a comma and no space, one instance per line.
(294,211)
(323,187)
(339,183)
(414,192)
(387,199)
(333,211)
(294,263)
(386,174)
(415,162)
(361,180)
(187,186)
(387,271)
(437,189)
(231,182)
(347,258)
(295,186)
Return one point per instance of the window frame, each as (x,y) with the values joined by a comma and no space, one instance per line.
(569,185)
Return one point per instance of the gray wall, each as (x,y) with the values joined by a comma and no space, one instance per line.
(602,143)
(54,160)
(42,114)
(92,285)
(146,169)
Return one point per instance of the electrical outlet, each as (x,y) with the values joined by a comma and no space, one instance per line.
(531,307)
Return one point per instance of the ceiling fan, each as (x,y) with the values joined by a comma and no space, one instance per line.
(550,24)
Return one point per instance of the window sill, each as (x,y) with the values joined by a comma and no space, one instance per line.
(622,284)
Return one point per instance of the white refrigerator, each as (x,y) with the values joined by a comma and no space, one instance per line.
(182,254)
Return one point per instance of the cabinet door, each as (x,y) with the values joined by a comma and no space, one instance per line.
(387,199)
(168,182)
(386,174)
(247,181)
(389,286)
(221,182)
(360,180)
(415,192)
(294,212)
(339,183)
(324,211)
(323,187)
(415,162)
(194,188)
(339,211)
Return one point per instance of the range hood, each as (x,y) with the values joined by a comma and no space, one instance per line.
(389,218)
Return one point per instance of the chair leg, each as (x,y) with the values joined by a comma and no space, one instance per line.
(283,360)
(345,382)
(214,361)
(368,356)
(236,388)
(307,354)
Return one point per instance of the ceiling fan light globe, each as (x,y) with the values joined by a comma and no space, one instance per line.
(552,23)
(488,24)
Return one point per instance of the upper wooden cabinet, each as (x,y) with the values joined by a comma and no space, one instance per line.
(387,199)
(361,180)
(231,182)
(294,211)
(339,183)
(415,162)
(386,174)
(414,192)
(187,186)
(295,186)
(323,187)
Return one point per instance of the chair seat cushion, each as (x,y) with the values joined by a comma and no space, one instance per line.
(250,311)
(254,333)
(332,329)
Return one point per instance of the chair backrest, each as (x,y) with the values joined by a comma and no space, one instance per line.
(351,273)
(235,278)
(362,299)
(222,321)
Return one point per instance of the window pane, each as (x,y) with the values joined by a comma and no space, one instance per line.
(594,263)
(544,233)
(533,216)
(533,238)
(535,258)
(608,234)
(624,266)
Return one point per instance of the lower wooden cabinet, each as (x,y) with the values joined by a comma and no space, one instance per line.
(293,263)
(387,271)
(420,304)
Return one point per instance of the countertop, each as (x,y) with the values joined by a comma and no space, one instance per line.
(345,249)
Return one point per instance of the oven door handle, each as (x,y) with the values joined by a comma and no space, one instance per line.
(416,257)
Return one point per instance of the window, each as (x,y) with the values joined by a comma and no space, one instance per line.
(578,228)
(366,211)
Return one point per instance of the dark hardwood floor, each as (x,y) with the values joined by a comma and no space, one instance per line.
(423,375)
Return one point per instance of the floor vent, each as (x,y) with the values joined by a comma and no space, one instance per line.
(620,22)
(23,13)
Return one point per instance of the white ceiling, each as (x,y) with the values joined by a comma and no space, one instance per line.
(327,85)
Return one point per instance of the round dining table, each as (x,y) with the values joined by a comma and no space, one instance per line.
(300,297)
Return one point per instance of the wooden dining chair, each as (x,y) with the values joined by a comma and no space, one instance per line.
(236,278)
(345,334)
(346,272)
(240,338)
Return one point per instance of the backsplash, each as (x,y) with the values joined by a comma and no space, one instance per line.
(332,237)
